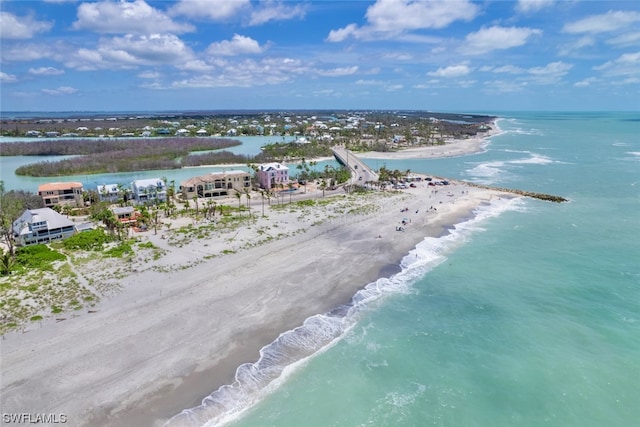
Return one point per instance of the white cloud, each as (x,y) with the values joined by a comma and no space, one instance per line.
(550,73)
(391,18)
(529,6)
(248,73)
(369,82)
(124,17)
(576,45)
(19,52)
(238,45)
(555,68)
(504,86)
(276,11)
(397,56)
(7,78)
(508,69)
(208,10)
(497,38)
(544,75)
(342,34)
(62,90)
(393,88)
(586,82)
(610,21)
(624,40)
(130,51)
(451,71)
(626,65)
(13,27)
(152,49)
(195,65)
(337,72)
(45,71)
(149,75)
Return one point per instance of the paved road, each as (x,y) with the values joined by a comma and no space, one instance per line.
(360,172)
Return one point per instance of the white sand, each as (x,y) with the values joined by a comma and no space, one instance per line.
(172,335)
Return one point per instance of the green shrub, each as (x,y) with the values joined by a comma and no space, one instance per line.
(37,256)
(87,240)
(119,251)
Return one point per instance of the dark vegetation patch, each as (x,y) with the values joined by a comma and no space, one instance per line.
(121,155)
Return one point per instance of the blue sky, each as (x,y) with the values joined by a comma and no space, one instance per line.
(473,56)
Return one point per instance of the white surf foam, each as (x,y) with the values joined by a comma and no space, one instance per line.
(293,349)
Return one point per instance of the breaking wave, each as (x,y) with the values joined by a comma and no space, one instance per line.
(292,349)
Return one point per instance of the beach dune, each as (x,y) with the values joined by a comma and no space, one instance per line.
(169,339)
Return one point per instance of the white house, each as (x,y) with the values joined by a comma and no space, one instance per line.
(151,190)
(43,225)
(108,192)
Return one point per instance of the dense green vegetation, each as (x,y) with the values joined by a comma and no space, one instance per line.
(92,240)
(111,156)
(37,256)
(295,150)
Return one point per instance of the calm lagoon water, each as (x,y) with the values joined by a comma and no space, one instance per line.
(250,146)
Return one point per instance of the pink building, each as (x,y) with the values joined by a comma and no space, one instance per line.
(272,175)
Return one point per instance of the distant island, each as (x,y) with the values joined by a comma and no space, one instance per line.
(169,141)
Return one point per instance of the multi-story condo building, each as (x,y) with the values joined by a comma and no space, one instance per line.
(272,175)
(215,184)
(61,193)
(152,190)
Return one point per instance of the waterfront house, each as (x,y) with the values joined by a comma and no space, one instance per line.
(61,194)
(145,191)
(271,175)
(126,215)
(42,225)
(109,193)
(215,184)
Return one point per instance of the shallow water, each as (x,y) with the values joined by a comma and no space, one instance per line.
(530,317)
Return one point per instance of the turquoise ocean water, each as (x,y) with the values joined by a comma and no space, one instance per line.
(527,315)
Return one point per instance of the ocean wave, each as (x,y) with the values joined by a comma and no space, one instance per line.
(488,172)
(535,159)
(498,171)
(292,349)
(522,131)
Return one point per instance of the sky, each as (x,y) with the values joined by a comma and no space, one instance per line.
(451,55)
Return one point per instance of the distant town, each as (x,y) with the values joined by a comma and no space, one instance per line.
(338,126)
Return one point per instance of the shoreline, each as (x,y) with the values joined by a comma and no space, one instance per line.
(170,338)
(186,331)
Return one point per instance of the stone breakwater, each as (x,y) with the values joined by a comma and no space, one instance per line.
(532,194)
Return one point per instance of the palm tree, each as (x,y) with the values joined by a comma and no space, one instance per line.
(239,196)
(7,261)
(290,185)
(195,199)
(263,196)
(247,194)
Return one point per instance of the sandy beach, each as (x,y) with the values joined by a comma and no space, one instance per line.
(178,327)
(458,147)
